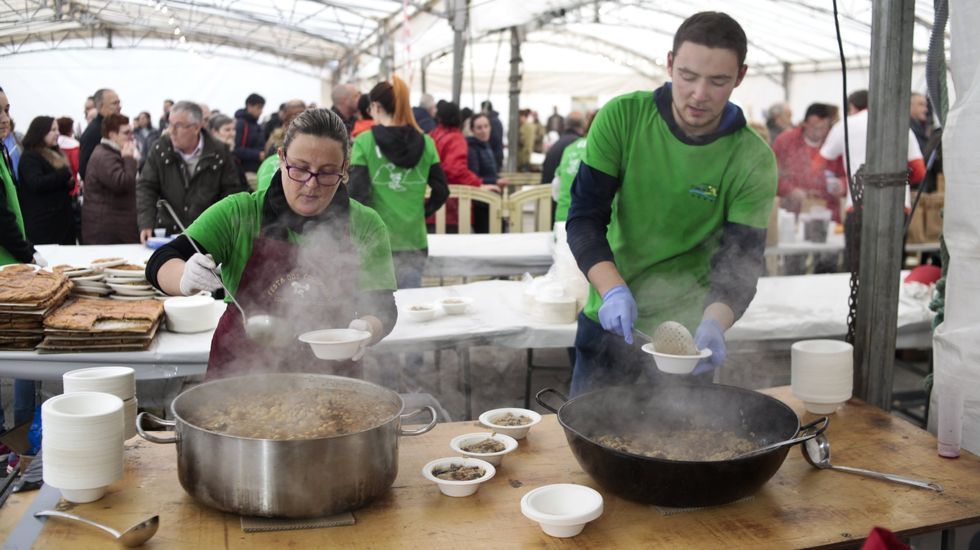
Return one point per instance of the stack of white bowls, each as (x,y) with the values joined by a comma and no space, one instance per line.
(822,374)
(118,381)
(82,444)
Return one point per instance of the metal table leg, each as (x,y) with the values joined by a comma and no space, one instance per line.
(464,362)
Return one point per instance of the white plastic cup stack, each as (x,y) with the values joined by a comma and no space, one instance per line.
(82,444)
(822,374)
(118,381)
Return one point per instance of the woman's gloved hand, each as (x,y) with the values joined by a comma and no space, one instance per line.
(618,312)
(200,273)
(361,324)
(710,335)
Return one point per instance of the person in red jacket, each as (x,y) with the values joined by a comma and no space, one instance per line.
(454,157)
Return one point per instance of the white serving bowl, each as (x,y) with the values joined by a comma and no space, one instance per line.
(190,313)
(457,443)
(118,381)
(458,488)
(563,509)
(517,432)
(455,305)
(676,364)
(82,407)
(336,343)
(419,312)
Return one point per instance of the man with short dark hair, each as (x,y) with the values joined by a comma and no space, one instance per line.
(188,168)
(106,103)
(671,205)
(249,137)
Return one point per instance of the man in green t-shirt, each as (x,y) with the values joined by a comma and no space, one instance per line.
(670,205)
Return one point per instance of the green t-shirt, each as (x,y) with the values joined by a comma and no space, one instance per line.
(673,200)
(397,194)
(228,228)
(266,170)
(571,157)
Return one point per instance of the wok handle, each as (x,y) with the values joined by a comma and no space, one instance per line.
(808,431)
(538,397)
(423,429)
(158,421)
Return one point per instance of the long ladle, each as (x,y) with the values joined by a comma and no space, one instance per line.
(817,452)
(264,329)
(134,536)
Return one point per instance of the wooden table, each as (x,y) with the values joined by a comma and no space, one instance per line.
(799,507)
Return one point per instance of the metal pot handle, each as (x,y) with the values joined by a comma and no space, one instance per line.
(808,431)
(538,398)
(423,429)
(156,420)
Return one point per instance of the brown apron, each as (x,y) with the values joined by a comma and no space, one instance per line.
(307,288)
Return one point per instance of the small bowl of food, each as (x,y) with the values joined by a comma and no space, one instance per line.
(458,477)
(420,312)
(563,509)
(484,445)
(510,421)
(676,364)
(336,344)
(455,305)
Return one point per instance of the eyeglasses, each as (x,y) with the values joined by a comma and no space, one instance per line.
(180,126)
(303,176)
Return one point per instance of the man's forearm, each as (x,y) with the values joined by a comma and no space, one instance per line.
(721,313)
(604,276)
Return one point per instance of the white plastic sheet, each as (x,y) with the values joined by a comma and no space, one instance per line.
(957,340)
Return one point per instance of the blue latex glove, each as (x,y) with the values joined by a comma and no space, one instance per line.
(709,335)
(618,312)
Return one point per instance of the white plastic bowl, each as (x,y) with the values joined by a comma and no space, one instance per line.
(81,496)
(455,305)
(190,313)
(563,509)
(419,312)
(458,488)
(130,408)
(119,381)
(676,364)
(334,344)
(457,443)
(517,432)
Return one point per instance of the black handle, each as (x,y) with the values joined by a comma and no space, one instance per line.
(818,426)
(537,397)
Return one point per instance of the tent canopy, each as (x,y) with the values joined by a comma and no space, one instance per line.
(318,37)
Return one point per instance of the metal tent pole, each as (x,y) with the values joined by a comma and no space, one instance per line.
(513,127)
(458,20)
(884,198)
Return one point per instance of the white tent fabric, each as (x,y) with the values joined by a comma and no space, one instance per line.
(957,339)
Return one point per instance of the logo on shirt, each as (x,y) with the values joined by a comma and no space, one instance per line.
(396,179)
(704,191)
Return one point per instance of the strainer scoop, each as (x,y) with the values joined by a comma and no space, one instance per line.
(673,338)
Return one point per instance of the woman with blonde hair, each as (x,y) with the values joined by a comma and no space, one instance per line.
(391,165)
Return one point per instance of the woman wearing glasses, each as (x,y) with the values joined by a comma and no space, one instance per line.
(301,251)
(109,209)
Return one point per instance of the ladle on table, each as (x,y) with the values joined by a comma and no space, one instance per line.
(264,329)
(134,536)
(817,452)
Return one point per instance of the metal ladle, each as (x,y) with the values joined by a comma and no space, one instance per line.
(134,536)
(264,329)
(817,452)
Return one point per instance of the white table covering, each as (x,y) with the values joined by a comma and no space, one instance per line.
(493,255)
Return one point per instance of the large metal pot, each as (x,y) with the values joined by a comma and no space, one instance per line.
(284,478)
(679,406)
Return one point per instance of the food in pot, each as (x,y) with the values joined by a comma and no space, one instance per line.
(305,413)
(458,472)
(691,445)
(673,338)
(487,445)
(511,419)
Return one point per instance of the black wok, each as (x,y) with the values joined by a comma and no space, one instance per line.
(678,406)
